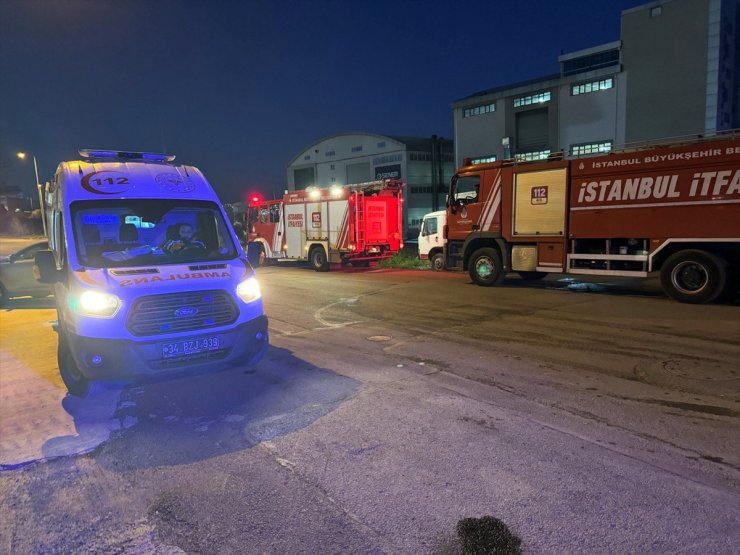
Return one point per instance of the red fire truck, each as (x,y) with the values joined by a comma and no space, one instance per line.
(359,223)
(672,211)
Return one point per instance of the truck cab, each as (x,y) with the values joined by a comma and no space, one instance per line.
(149,276)
(431,239)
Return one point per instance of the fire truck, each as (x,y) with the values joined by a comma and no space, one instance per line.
(671,211)
(359,223)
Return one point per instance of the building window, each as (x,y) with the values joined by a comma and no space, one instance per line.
(590,148)
(422,190)
(330,153)
(479,110)
(593,86)
(381,144)
(357,149)
(532,156)
(307,157)
(483,160)
(532,99)
(656,11)
(331,166)
(420,157)
(591,62)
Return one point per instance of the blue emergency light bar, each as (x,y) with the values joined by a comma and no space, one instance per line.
(89,154)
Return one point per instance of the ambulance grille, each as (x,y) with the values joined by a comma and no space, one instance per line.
(178,312)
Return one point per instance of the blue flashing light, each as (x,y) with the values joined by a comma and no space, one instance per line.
(207,298)
(165,327)
(91,154)
(209,322)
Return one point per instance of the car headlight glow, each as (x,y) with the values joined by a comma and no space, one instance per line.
(249,290)
(98,304)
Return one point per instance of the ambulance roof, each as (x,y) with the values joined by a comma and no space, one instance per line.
(131,175)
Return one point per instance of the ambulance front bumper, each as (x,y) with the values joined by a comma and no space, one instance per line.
(123,359)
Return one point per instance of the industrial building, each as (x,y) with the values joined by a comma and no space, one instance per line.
(673,73)
(425,164)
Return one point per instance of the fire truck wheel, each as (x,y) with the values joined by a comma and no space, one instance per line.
(438,262)
(318,259)
(693,276)
(77,384)
(485,267)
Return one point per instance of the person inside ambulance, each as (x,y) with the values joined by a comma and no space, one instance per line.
(181,239)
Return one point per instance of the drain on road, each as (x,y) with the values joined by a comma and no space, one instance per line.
(379,338)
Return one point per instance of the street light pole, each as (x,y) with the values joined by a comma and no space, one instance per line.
(22,156)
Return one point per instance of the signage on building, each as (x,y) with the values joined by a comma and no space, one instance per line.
(388,172)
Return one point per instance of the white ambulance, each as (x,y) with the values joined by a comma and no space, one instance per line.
(149,275)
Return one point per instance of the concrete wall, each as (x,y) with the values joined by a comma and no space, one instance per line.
(665,58)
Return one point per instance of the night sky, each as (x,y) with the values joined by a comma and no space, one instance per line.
(239,88)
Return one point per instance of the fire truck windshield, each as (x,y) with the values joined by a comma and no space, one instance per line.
(120,233)
(464,189)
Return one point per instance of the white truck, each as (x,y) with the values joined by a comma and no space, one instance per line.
(148,275)
(431,239)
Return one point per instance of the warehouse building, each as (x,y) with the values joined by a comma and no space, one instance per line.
(425,164)
(673,73)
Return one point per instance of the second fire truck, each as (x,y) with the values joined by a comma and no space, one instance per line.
(359,223)
(671,211)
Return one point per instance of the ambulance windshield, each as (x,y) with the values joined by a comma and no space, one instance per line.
(138,232)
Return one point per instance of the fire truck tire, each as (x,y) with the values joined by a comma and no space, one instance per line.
(318,259)
(693,276)
(532,276)
(438,262)
(77,384)
(485,267)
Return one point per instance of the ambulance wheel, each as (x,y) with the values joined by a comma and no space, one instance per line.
(437,262)
(318,259)
(532,276)
(485,267)
(77,384)
(693,276)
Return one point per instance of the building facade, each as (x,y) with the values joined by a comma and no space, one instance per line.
(673,73)
(425,164)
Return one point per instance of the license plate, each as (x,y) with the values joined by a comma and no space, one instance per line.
(189,346)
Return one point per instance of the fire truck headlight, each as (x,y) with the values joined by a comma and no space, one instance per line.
(249,290)
(98,304)
(336,191)
(314,193)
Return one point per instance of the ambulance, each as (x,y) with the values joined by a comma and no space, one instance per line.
(148,274)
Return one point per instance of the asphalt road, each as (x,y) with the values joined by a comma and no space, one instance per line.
(392,404)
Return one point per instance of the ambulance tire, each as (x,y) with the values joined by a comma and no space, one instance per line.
(318,259)
(693,276)
(485,267)
(77,384)
(437,262)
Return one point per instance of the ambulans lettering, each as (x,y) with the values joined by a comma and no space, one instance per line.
(703,184)
(173,277)
(295,220)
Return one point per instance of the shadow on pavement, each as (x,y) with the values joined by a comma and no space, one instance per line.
(194,418)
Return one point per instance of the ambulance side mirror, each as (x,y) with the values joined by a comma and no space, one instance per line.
(45,267)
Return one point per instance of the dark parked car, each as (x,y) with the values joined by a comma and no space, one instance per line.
(16,274)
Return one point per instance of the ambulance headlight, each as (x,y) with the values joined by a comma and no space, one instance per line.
(249,290)
(98,304)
